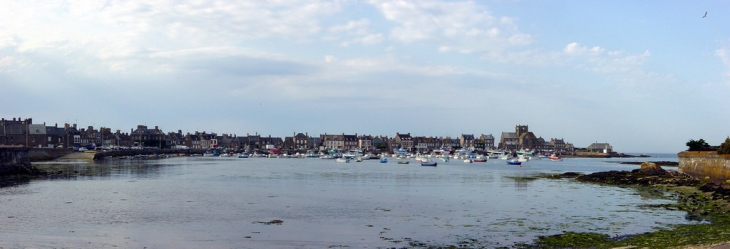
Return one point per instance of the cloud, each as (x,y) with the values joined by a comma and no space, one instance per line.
(460,26)
(595,59)
(359,31)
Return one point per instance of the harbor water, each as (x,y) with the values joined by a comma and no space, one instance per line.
(229,202)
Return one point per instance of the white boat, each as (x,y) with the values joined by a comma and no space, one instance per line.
(352,154)
(467,160)
(343,160)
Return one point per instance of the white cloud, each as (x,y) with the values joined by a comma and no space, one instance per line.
(463,26)
(359,31)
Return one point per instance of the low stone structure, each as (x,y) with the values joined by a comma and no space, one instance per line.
(705,165)
(14,160)
(47,154)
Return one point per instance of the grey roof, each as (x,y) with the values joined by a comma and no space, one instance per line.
(512,135)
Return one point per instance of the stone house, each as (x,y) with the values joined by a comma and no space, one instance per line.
(404,141)
(466,141)
(600,147)
(488,141)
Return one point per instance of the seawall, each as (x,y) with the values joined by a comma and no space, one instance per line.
(46,154)
(119,153)
(14,161)
(701,164)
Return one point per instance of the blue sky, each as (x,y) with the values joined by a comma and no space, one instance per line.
(642,76)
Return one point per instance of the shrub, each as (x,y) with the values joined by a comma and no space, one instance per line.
(699,145)
(724,147)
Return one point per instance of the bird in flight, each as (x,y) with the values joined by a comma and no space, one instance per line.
(705,15)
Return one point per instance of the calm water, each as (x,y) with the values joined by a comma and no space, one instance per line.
(201,202)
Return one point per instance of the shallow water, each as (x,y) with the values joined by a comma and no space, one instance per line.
(202,202)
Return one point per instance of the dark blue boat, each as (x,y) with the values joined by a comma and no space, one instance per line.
(514,162)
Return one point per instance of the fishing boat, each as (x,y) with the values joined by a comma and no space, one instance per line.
(514,162)
(429,164)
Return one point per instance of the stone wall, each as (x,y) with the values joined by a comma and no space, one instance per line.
(14,161)
(701,164)
(47,154)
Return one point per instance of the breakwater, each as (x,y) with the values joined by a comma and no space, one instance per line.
(14,160)
(705,164)
(124,153)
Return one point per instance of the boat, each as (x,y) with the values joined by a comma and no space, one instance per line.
(383,160)
(429,164)
(352,154)
(445,159)
(242,156)
(403,162)
(480,160)
(467,160)
(514,162)
(554,157)
(343,160)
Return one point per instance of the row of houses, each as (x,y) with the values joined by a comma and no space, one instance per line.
(22,132)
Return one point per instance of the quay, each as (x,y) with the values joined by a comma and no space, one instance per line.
(124,153)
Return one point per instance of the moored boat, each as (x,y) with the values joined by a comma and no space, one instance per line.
(429,164)
(554,157)
(383,160)
(403,162)
(514,162)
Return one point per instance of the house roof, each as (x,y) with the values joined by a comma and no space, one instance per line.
(511,135)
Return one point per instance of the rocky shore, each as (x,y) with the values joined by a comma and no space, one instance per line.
(704,201)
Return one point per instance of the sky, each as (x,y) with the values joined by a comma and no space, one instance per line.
(639,75)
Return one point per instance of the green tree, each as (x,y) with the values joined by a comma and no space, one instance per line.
(698,145)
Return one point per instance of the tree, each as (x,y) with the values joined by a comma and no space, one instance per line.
(698,145)
(724,147)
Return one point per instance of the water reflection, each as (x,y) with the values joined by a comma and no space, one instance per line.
(101,168)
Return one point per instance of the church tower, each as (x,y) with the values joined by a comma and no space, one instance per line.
(520,129)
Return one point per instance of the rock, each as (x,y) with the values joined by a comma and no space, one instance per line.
(652,169)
